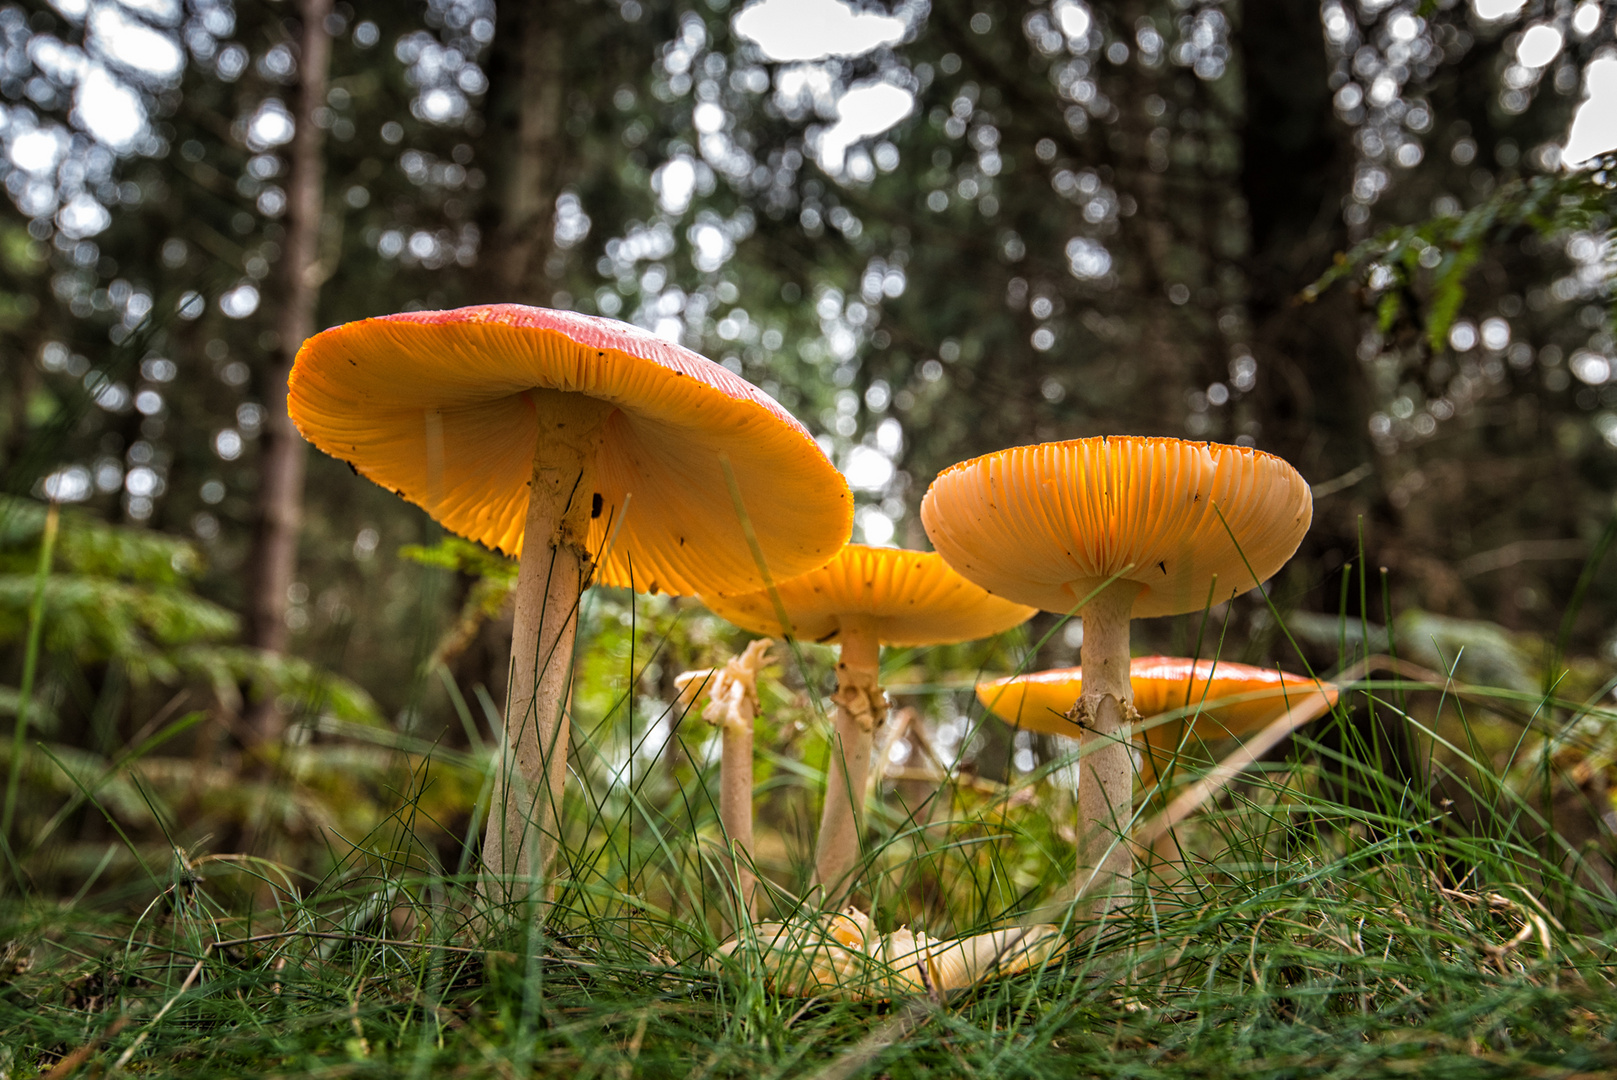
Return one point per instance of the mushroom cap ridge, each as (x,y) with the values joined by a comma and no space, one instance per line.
(434,405)
(1232,699)
(913,597)
(1049,524)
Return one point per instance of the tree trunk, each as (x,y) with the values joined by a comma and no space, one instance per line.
(280,495)
(1297,164)
(1312,389)
(526,149)
(520,149)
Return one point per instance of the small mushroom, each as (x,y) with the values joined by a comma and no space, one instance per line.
(599,452)
(862,599)
(732,693)
(1218,700)
(1113,529)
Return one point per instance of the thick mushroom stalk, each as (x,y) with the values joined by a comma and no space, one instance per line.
(733,707)
(861,706)
(1104,712)
(522,835)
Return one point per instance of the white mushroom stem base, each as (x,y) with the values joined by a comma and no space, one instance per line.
(1106,770)
(860,707)
(520,843)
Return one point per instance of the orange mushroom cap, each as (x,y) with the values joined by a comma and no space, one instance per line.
(1223,699)
(913,597)
(433,405)
(1050,524)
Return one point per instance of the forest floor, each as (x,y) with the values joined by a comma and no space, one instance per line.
(1395,942)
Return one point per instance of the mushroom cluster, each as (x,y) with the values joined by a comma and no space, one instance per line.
(602,454)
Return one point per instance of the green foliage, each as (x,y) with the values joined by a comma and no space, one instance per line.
(493,577)
(1399,265)
(88,546)
(93,619)
(115,594)
(314,795)
(118,606)
(463,556)
(125,596)
(313,688)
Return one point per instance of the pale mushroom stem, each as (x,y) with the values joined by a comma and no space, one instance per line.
(734,707)
(521,839)
(860,707)
(735,808)
(1106,774)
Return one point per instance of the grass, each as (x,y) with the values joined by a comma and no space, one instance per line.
(1332,914)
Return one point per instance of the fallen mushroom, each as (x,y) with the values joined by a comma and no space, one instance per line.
(599,452)
(840,956)
(1214,700)
(1113,529)
(732,707)
(863,598)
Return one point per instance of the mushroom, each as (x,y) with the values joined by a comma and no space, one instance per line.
(599,452)
(1214,700)
(1114,529)
(1220,700)
(732,707)
(862,599)
(841,956)
(916,963)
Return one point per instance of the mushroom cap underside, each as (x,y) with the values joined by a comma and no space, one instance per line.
(1219,699)
(909,597)
(1049,525)
(435,406)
